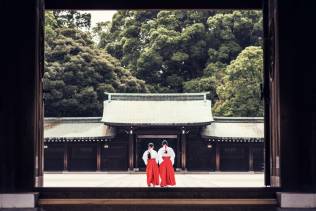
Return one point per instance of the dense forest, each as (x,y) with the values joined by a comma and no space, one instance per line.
(218,51)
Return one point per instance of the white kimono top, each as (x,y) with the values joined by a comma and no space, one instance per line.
(170,153)
(153,155)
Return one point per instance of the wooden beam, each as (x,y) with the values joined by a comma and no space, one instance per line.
(136,153)
(170,202)
(131,150)
(155,4)
(218,157)
(178,153)
(250,157)
(183,151)
(66,151)
(156,136)
(98,157)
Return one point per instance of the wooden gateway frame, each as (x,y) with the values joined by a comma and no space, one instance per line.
(28,171)
(272,142)
(271,80)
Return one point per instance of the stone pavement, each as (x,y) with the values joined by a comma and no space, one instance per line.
(102,179)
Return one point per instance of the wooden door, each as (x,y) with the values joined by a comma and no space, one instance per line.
(200,155)
(258,157)
(114,156)
(142,145)
(234,157)
(82,157)
(54,157)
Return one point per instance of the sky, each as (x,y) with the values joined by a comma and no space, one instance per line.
(100,15)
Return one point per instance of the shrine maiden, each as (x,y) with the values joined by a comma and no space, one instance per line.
(150,158)
(166,157)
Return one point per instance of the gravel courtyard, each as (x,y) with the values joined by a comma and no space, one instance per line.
(139,179)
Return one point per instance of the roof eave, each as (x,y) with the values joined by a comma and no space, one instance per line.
(221,137)
(157,124)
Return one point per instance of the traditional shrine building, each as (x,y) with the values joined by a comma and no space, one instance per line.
(117,141)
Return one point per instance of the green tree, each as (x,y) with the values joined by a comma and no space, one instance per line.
(239,91)
(77,74)
(206,84)
(149,50)
(168,48)
(229,33)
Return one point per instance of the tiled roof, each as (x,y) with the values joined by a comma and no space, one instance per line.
(229,127)
(76,127)
(157,109)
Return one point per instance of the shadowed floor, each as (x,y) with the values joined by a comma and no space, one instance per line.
(139,180)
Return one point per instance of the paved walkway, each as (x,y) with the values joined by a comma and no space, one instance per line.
(139,180)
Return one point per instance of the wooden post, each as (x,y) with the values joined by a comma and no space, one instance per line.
(218,159)
(99,156)
(66,156)
(131,149)
(20,135)
(178,154)
(136,153)
(183,150)
(250,157)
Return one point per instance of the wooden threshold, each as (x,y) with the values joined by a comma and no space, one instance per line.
(256,202)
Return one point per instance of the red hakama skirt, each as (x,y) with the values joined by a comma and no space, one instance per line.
(152,172)
(166,172)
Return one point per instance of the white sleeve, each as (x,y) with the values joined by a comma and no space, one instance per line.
(172,155)
(145,157)
(160,152)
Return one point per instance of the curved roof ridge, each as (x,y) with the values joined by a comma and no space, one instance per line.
(159,94)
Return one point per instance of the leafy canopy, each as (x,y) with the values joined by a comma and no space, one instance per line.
(218,51)
(239,91)
(77,74)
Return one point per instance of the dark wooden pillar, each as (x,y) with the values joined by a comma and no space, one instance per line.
(217,157)
(250,148)
(131,149)
(178,153)
(136,154)
(20,104)
(297,116)
(39,105)
(99,156)
(183,150)
(66,151)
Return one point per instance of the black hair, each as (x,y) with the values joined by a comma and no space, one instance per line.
(150,145)
(164,142)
